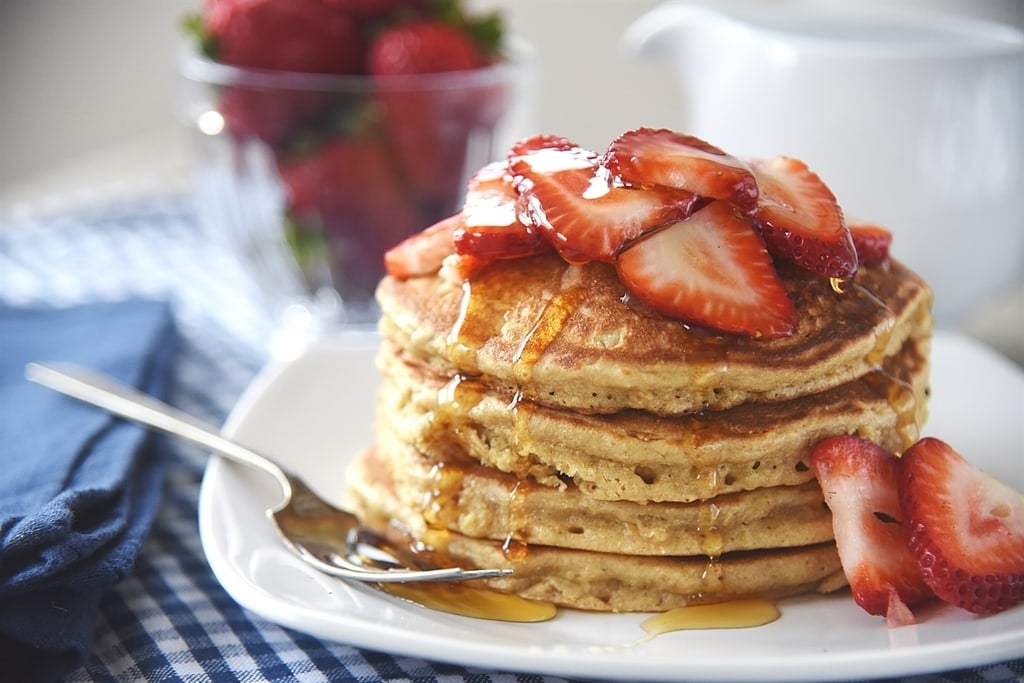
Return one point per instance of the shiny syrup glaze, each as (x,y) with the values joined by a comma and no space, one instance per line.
(734,614)
(472,601)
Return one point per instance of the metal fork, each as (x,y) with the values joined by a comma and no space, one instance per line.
(320,534)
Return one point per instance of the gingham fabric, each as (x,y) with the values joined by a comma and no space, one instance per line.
(170,620)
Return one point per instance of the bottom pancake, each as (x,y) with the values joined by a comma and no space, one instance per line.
(598,581)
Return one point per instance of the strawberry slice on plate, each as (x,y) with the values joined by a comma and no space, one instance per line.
(586,217)
(424,252)
(800,218)
(860,481)
(646,157)
(710,269)
(491,228)
(966,529)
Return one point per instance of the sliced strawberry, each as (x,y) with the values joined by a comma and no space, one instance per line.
(800,219)
(710,269)
(860,480)
(647,157)
(424,252)
(966,529)
(491,228)
(543,141)
(871,242)
(569,196)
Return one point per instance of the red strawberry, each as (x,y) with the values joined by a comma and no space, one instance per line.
(860,480)
(423,46)
(800,219)
(266,114)
(285,35)
(966,529)
(372,8)
(543,141)
(710,269)
(424,252)
(587,218)
(490,227)
(648,157)
(430,127)
(346,192)
(871,242)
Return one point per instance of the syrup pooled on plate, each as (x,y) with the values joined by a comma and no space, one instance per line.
(734,614)
(470,601)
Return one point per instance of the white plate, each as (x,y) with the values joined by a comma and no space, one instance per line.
(314,413)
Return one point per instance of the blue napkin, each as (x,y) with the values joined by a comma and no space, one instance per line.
(78,488)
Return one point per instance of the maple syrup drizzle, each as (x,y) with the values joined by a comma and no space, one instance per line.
(734,614)
(883,331)
(902,400)
(469,334)
(445,483)
(463,339)
(470,601)
(545,329)
(712,541)
(515,546)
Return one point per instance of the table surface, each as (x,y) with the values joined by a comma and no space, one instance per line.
(170,619)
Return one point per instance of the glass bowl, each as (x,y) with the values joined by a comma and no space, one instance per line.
(310,178)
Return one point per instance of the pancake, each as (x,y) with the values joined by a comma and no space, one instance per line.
(571,336)
(464,497)
(637,456)
(537,417)
(600,581)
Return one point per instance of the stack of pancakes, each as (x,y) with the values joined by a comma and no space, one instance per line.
(537,417)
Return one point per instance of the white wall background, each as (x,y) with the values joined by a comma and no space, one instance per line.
(87,87)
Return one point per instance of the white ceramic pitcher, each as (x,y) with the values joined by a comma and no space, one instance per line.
(915,119)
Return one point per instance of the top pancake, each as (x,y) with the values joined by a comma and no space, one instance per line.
(572,337)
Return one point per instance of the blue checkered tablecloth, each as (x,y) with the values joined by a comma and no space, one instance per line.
(170,619)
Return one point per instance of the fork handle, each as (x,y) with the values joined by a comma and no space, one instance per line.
(127,402)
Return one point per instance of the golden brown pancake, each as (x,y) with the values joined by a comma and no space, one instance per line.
(637,456)
(572,337)
(465,497)
(538,417)
(602,581)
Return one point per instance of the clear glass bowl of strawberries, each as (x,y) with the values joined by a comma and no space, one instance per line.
(328,130)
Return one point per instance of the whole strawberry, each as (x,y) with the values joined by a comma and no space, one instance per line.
(284,35)
(343,197)
(430,125)
(277,35)
(423,46)
(374,8)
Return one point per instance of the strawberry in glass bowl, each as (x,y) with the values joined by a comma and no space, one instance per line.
(326,131)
